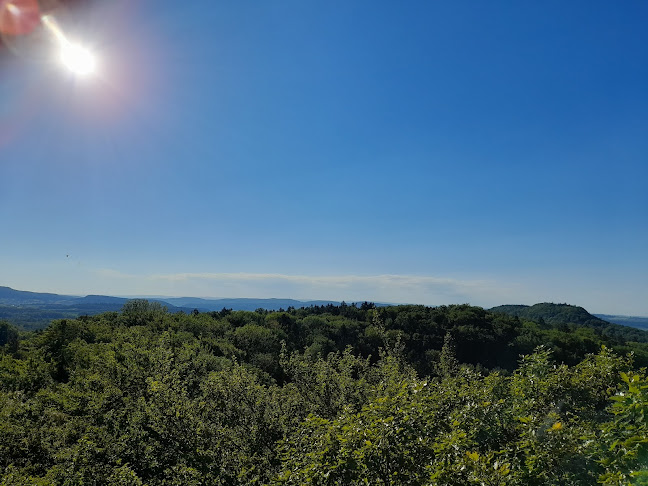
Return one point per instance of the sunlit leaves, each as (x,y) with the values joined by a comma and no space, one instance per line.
(148,397)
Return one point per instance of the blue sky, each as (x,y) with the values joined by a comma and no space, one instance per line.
(427,152)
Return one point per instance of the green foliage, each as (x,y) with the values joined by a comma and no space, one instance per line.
(138,312)
(625,438)
(332,395)
(448,364)
(564,317)
(8,338)
(466,429)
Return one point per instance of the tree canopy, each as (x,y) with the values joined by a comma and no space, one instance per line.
(333,395)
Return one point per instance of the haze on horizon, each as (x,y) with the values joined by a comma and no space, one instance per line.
(432,153)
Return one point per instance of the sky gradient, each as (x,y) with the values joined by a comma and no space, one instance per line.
(435,153)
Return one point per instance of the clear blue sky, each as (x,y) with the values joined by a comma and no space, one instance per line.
(425,152)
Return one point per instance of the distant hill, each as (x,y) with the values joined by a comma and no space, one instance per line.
(552,314)
(9,296)
(34,310)
(103,299)
(571,315)
(632,321)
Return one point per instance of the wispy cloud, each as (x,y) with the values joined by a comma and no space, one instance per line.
(423,289)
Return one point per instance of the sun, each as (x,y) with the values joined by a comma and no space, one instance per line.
(78,59)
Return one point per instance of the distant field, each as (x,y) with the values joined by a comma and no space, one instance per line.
(39,316)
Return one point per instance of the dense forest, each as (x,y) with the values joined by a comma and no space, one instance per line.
(571,316)
(339,395)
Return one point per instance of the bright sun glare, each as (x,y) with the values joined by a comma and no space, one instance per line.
(78,59)
(75,57)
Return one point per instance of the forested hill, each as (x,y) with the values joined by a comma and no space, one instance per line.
(322,395)
(11,296)
(632,321)
(565,315)
(483,338)
(552,314)
(35,310)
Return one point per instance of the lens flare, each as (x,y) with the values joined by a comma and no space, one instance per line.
(19,17)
